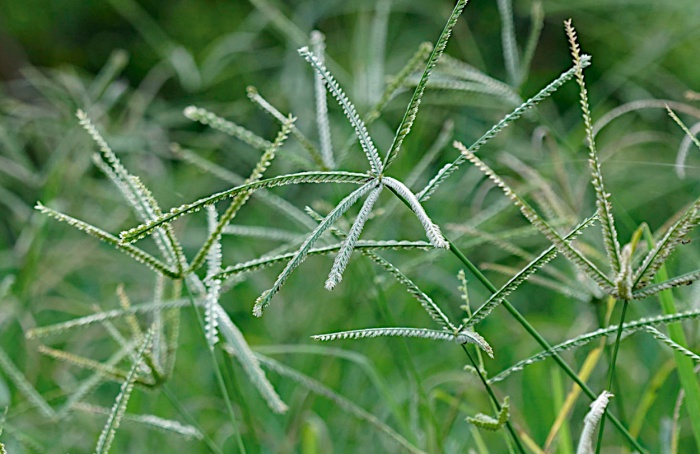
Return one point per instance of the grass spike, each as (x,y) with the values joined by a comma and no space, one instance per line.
(607,221)
(412,110)
(463,337)
(348,109)
(115,416)
(543,94)
(132,251)
(141,231)
(432,230)
(547,230)
(205,117)
(544,258)
(240,199)
(211,299)
(674,236)
(261,102)
(674,345)
(510,45)
(536,24)
(318,46)
(653,289)
(583,339)
(343,257)
(264,299)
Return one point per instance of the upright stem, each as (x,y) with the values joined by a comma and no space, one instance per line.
(611,371)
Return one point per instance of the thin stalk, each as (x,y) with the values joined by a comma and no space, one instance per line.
(611,371)
(494,400)
(540,340)
(217,372)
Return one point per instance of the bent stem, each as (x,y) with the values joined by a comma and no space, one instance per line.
(611,372)
(494,400)
(540,340)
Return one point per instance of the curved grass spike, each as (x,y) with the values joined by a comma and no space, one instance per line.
(510,45)
(348,109)
(107,436)
(263,104)
(579,341)
(141,231)
(412,109)
(264,299)
(449,169)
(242,198)
(212,120)
(361,245)
(343,257)
(211,300)
(132,251)
(543,226)
(274,201)
(544,258)
(462,337)
(674,345)
(134,191)
(607,221)
(318,46)
(432,230)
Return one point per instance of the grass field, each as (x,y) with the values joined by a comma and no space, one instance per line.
(324,226)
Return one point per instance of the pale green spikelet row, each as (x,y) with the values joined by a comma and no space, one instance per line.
(674,345)
(264,299)
(544,258)
(412,110)
(324,127)
(611,330)
(139,232)
(263,104)
(348,109)
(450,168)
(343,257)
(240,199)
(423,333)
(136,253)
(205,117)
(113,421)
(607,222)
(263,262)
(547,230)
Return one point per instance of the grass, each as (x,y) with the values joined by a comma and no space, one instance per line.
(231,344)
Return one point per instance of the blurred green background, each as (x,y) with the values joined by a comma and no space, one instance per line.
(134,65)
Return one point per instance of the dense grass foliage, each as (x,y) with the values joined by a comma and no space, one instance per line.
(334,226)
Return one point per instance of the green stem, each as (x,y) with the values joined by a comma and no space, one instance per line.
(611,371)
(540,340)
(494,400)
(217,372)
